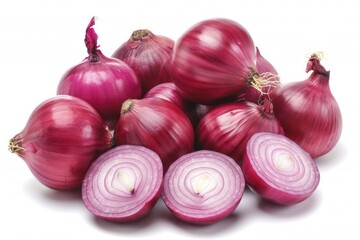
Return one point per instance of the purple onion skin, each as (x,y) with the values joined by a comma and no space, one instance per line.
(156,124)
(102,195)
(228,127)
(271,190)
(103,82)
(169,92)
(309,112)
(62,137)
(149,55)
(213,61)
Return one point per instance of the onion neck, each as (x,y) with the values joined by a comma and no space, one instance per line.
(267,108)
(320,76)
(138,35)
(91,41)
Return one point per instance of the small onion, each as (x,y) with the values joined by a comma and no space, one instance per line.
(123,184)
(62,137)
(103,82)
(149,55)
(278,169)
(214,61)
(156,124)
(309,112)
(203,187)
(228,127)
(169,92)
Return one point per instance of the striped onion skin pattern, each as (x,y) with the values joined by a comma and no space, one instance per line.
(203,187)
(278,169)
(123,184)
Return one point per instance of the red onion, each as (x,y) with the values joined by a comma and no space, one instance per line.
(309,112)
(203,187)
(228,127)
(214,61)
(62,137)
(278,169)
(169,92)
(123,184)
(101,81)
(265,68)
(149,55)
(156,124)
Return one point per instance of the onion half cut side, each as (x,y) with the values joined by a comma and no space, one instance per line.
(123,184)
(203,187)
(278,169)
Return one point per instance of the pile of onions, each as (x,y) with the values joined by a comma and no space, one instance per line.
(103,82)
(228,127)
(214,61)
(278,169)
(149,55)
(203,187)
(156,124)
(169,92)
(308,111)
(123,184)
(62,137)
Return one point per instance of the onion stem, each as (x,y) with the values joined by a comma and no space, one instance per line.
(14,146)
(139,34)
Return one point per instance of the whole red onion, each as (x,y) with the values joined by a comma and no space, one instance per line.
(156,124)
(309,112)
(228,127)
(169,92)
(62,137)
(214,61)
(149,55)
(101,81)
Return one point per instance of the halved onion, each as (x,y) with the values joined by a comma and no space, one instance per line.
(123,184)
(203,187)
(278,169)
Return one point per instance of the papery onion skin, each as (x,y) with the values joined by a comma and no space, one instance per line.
(213,61)
(169,92)
(108,198)
(193,183)
(149,55)
(309,112)
(156,124)
(103,82)
(264,67)
(62,137)
(278,184)
(228,127)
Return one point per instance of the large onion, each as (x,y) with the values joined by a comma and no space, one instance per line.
(62,137)
(214,60)
(203,187)
(103,82)
(278,169)
(123,184)
(309,112)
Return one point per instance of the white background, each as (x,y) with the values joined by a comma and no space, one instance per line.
(40,40)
